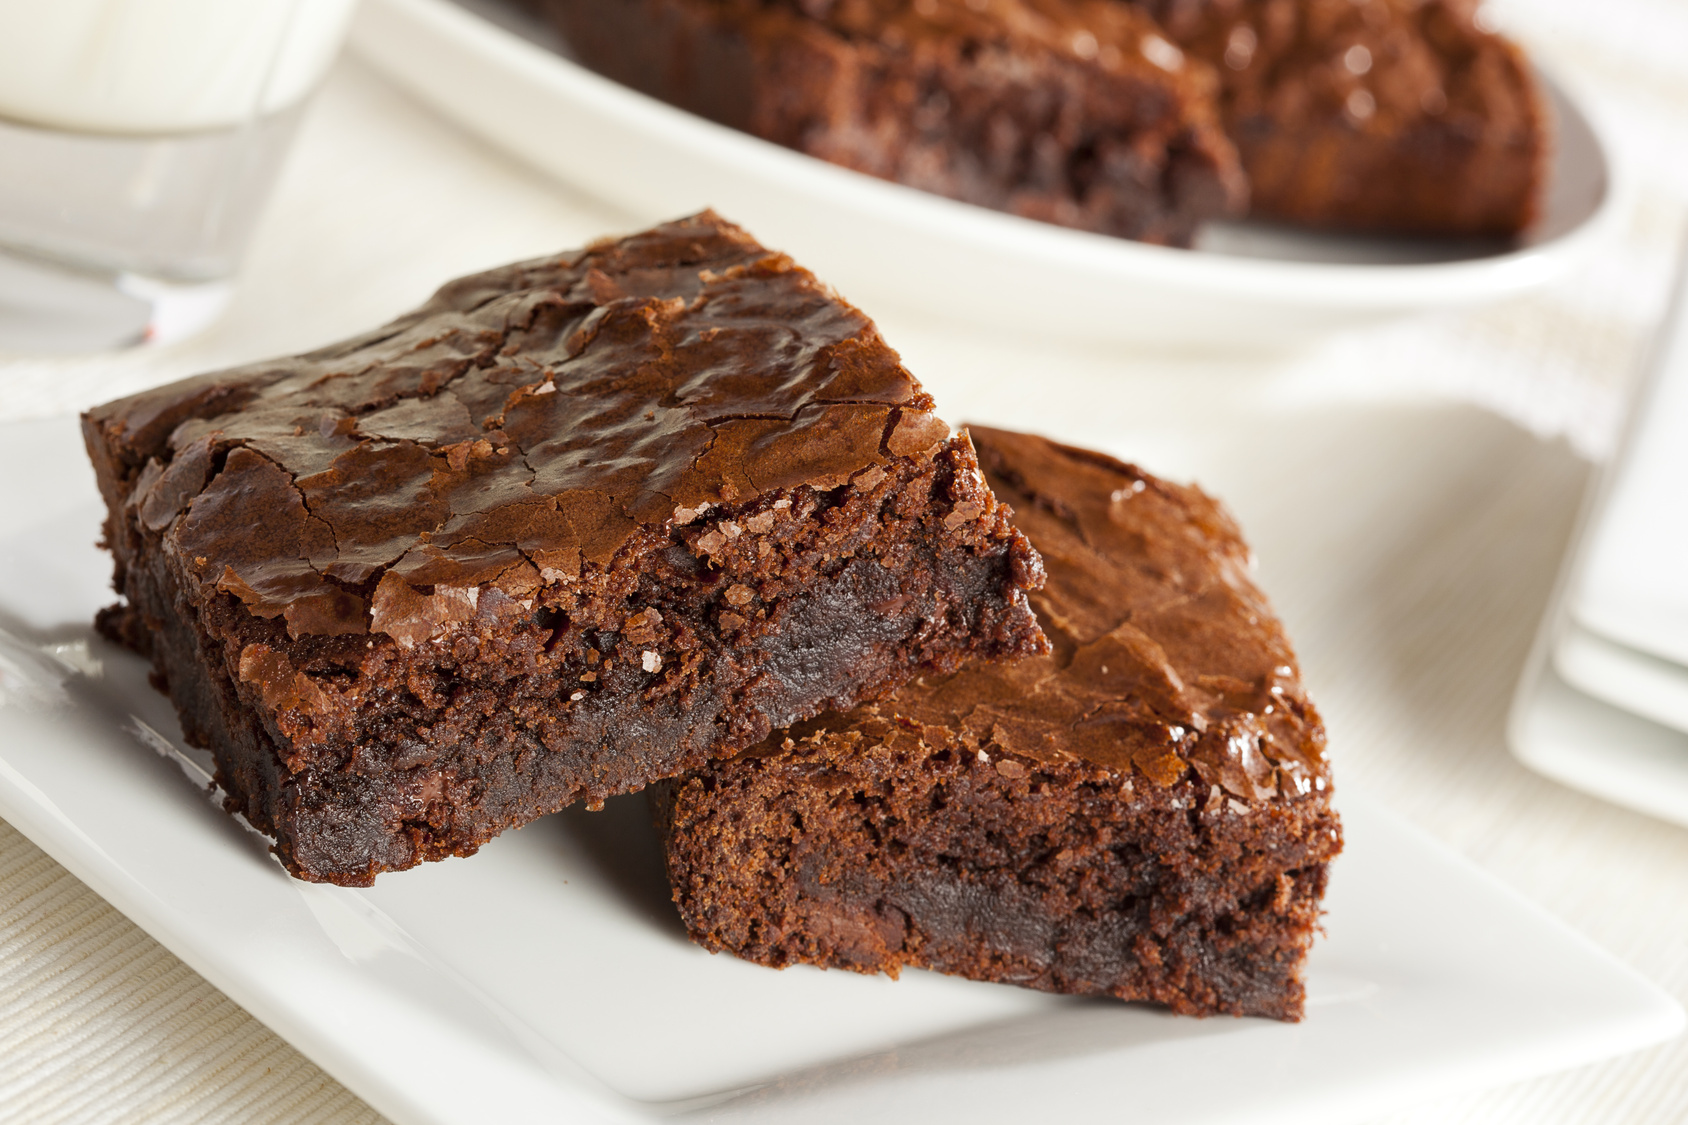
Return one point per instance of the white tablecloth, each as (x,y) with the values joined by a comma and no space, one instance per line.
(1409,492)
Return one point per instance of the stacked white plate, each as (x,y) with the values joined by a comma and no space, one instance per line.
(1603,705)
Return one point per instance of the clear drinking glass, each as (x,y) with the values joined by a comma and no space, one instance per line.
(139,140)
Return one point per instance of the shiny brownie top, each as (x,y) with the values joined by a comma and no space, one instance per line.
(524,424)
(1165,654)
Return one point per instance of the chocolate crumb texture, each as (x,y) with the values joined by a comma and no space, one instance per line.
(574,525)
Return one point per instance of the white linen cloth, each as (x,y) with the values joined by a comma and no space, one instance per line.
(1409,492)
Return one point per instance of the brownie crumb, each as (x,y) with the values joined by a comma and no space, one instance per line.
(1142,813)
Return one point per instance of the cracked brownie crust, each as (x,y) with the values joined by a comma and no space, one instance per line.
(1143,813)
(1077,112)
(574,525)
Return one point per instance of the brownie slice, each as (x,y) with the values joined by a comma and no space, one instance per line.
(574,525)
(1075,112)
(1143,813)
(1390,115)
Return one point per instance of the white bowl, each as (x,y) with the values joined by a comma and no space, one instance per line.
(1246,285)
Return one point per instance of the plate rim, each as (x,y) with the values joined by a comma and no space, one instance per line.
(1356,287)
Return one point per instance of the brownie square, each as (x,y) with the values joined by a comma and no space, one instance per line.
(1395,115)
(1142,813)
(574,525)
(1078,112)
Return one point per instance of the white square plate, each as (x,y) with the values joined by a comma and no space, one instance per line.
(547,978)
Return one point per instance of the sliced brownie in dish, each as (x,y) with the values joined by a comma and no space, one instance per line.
(1077,112)
(1143,813)
(574,525)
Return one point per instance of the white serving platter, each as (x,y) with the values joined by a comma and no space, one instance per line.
(547,978)
(495,71)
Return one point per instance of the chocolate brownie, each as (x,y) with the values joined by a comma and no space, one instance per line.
(1143,813)
(1396,115)
(573,525)
(1075,112)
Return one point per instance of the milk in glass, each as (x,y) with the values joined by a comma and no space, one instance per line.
(139,138)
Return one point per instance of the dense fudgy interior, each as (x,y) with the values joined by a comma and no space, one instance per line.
(404,755)
(1075,112)
(873,851)
(1144,812)
(574,525)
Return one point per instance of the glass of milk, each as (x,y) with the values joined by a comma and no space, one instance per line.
(139,140)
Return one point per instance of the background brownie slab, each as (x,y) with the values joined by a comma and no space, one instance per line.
(1398,115)
(1143,813)
(572,526)
(1071,111)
